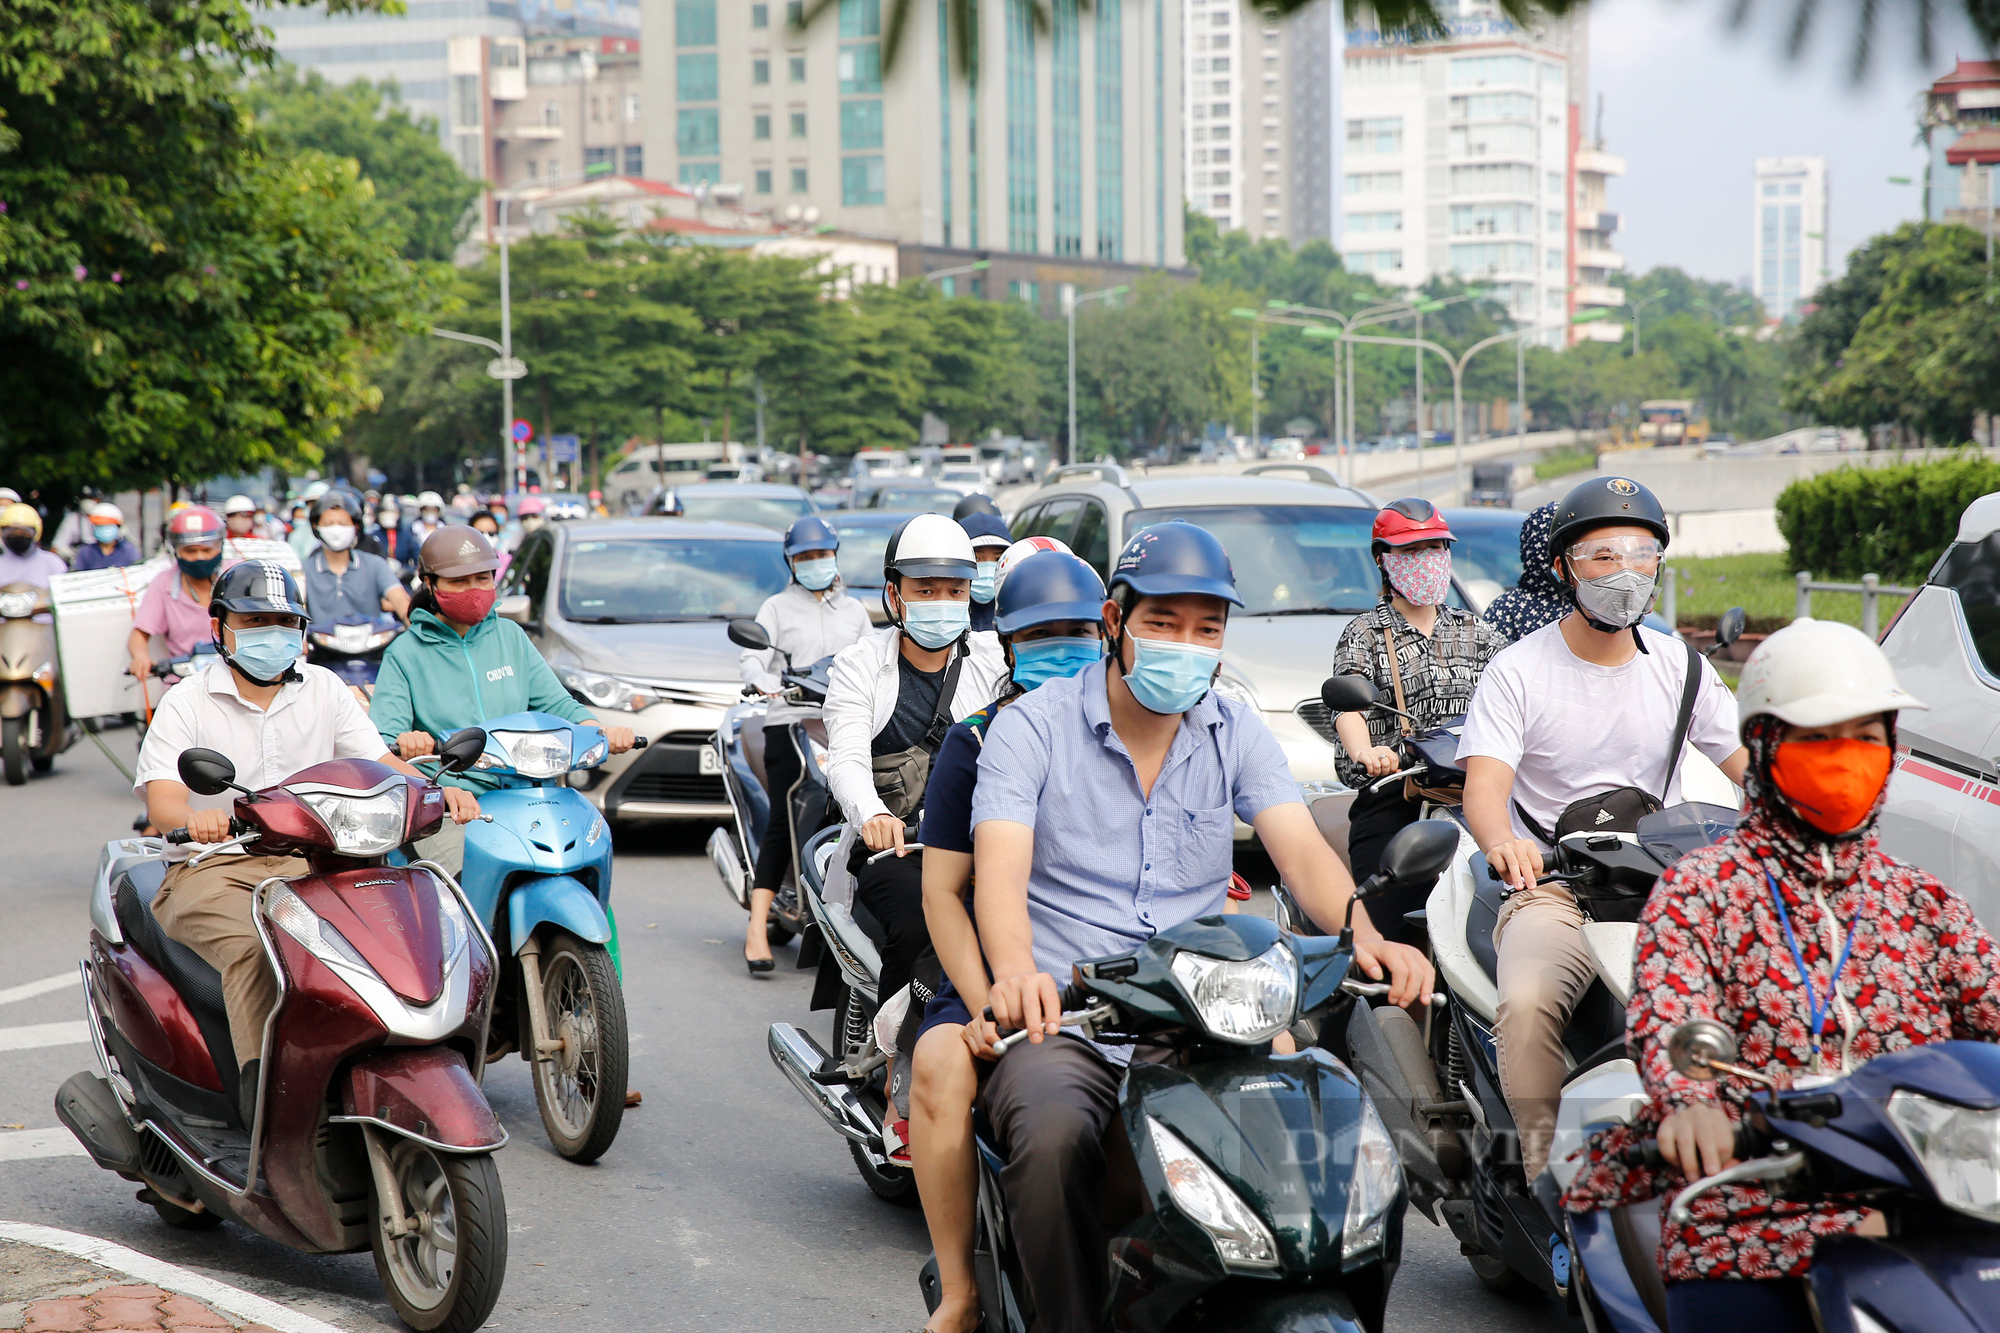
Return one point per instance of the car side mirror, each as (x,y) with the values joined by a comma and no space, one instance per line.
(749,634)
(1730,627)
(516,607)
(462,750)
(1698,1046)
(1420,852)
(1347,694)
(206,773)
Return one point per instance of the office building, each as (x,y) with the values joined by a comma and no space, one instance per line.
(1258,137)
(1060,158)
(1788,233)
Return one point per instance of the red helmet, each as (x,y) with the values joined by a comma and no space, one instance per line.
(197,525)
(1406,522)
(533,504)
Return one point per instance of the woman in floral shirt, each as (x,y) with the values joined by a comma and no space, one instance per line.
(1800,884)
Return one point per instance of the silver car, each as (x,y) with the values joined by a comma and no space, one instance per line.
(633,616)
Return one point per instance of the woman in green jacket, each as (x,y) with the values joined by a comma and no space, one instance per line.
(461,665)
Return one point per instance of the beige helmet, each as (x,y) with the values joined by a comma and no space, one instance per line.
(456,551)
(18,515)
(1813,673)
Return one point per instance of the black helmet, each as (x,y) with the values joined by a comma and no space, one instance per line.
(251,587)
(975,504)
(1604,502)
(346,501)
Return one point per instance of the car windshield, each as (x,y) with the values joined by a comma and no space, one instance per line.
(860,554)
(1289,559)
(641,579)
(1487,551)
(915,500)
(766,511)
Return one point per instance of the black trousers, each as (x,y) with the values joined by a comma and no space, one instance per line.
(781,770)
(893,889)
(1373,819)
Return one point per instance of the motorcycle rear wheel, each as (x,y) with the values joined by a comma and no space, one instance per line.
(14,749)
(445,1277)
(581,1089)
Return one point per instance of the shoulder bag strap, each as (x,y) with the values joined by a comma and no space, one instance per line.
(947,688)
(1396,681)
(1690,691)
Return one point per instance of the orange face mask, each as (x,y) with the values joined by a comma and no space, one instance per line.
(1832,784)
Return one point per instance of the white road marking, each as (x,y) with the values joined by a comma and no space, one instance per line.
(28,990)
(29,1144)
(44,1034)
(230,1300)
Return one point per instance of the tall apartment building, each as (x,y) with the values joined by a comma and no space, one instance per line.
(546,110)
(1788,235)
(1464,157)
(1258,137)
(1064,148)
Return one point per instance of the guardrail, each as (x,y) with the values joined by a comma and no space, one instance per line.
(1871,587)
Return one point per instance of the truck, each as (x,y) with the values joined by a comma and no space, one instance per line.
(1672,421)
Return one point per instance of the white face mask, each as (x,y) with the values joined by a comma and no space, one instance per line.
(336,537)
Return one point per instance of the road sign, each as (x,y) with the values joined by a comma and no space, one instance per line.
(507,368)
(521,430)
(565,449)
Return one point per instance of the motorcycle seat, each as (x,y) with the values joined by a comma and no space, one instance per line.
(198,984)
(1481,921)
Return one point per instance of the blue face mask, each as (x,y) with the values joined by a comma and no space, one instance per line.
(1168,677)
(936,624)
(264,654)
(1038,661)
(104,532)
(816,575)
(987,581)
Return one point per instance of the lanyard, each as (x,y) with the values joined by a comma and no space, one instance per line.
(1819,1017)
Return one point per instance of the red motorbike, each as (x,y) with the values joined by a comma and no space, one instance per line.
(369,1127)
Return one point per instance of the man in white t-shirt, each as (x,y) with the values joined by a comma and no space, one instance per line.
(1573,710)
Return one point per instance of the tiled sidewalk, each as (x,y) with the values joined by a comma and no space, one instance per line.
(43,1291)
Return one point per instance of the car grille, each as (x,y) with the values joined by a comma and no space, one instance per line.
(1315,715)
(680,788)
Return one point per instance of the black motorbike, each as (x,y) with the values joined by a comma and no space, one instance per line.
(352,646)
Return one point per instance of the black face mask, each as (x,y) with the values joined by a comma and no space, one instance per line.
(20,543)
(200,570)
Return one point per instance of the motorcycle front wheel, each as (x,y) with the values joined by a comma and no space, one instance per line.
(581,1088)
(14,746)
(445,1274)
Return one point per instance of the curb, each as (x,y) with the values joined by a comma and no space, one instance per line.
(242,1306)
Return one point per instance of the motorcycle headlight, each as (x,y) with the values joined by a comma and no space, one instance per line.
(535,754)
(1958,1147)
(362,825)
(289,913)
(1241,1238)
(1373,1188)
(1247,1002)
(14,605)
(351,638)
(601,691)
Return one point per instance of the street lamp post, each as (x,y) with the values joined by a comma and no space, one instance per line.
(1635,309)
(946,274)
(1071,300)
(505,369)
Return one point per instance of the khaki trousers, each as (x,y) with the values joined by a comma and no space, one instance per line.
(1544,971)
(207,907)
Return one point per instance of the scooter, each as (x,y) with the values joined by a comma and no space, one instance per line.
(537,871)
(1273,1194)
(34,725)
(369,1128)
(1915,1134)
(352,647)
(740,741)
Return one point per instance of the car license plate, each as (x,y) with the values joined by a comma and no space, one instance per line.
(710,761)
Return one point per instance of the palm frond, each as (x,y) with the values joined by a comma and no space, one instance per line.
(1864,38)
(1802,17)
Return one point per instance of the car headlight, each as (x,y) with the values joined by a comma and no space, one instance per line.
(1241,1238)
(1373,1187)
(1958,1147)
(601,691)
(362,825)
(1229,687)
(534,754)
(14,605)
(1248,1002)
(289,913)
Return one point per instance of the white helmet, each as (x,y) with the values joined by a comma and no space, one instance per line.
(1024,548)
(430,500)
(106,512)
(929,546)
(1813,673)
(239,504)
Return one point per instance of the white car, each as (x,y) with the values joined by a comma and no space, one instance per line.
(965,478)
(1943,811)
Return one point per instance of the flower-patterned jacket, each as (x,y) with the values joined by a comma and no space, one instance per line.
(1711,945)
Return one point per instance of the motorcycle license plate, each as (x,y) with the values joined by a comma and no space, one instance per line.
(710,761)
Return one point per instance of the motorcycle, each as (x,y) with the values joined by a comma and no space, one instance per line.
(1274,1195)
(352,647)
(369,1130)
(740,740)
(1914,1134)
(537,871)
(34,725)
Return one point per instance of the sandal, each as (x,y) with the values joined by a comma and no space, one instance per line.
(896,1142)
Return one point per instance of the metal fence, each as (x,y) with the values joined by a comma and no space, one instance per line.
(1871,589)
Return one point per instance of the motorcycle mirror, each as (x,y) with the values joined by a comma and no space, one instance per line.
(749,634)
(1347,694)
(462,750)
(516,607)
(1420,852)
(206,773)
(1730,627)
(1699,1045)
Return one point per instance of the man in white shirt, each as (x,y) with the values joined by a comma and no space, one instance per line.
(272,715)
(1577,709)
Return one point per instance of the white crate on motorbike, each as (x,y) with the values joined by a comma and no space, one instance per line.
(94,610)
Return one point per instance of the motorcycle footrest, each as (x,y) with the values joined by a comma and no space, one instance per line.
(830,1075)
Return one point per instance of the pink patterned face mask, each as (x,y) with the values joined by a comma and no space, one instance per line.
(1422,577)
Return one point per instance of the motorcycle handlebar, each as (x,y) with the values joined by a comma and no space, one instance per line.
(181,837)
(1749,1143)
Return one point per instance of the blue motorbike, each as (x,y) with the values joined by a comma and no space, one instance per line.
(1915,1134)
(538,871)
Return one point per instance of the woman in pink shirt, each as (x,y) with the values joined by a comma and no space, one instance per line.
(175,606)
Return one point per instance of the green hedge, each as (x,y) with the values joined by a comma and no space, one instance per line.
(1894,521)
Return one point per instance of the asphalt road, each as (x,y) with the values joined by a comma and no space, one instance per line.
(724,1203)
